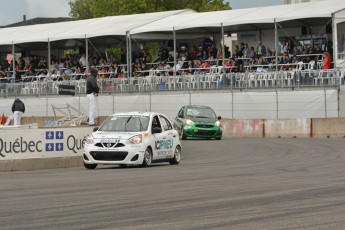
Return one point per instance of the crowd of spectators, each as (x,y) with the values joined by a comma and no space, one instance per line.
(198,58)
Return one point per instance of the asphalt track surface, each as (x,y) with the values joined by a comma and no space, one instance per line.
(241,183)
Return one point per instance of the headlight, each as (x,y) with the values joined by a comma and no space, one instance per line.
(189,122)
(217,123)
(89,139)
(135,139)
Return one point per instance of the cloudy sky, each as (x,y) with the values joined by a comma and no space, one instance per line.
(13,10)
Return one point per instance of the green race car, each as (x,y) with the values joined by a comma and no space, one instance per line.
(199,122)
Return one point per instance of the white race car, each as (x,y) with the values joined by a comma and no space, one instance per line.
(134,138)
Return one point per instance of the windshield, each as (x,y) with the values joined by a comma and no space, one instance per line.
(125,123)
(200,112)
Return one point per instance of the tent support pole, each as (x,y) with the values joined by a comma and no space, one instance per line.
(223,48)
(13,63)
(335,41)
(127,53)
(87,52)
(276,42)
(130,55)
(49,57)
(174,37)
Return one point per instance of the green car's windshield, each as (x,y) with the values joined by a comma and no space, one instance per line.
(200,112)
(125,123)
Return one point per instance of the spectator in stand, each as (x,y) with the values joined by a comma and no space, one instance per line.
(177,68)
(67,74)
(289,46)
(228,65)
(189,69)
(3,76)
(5,65)
(268,52)
(144,70)
(168,69)
(252,53)
(319,52)
(245,51)
(236,54)
(251,65)
(115,70)
(205,55)
(219,52)
(199,53)
(197,63)
(296,51)
(241,48)
(283,47)
(261,49)
(328,46)
(192,54)
(285,60)
(211,60)
(205,66)
(213,51)
(82,60)
(306,49)
(137,70)
(21,63)
(326,61)
(102,73)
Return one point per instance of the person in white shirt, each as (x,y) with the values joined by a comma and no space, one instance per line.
(82,60)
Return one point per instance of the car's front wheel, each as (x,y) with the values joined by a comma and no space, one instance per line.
(177,156)
(147,158)
(90,166)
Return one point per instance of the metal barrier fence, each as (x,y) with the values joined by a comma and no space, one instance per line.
(200,81)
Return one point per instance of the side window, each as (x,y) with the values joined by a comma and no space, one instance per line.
(180,113)
(156,123)
(165,123)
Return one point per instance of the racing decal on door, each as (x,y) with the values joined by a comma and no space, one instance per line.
(164,147)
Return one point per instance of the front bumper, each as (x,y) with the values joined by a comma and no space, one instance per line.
(127,155)
(198,131)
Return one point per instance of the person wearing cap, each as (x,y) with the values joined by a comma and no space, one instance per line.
(92,90)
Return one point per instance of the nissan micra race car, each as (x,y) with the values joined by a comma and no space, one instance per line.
(134,138)
(198,121)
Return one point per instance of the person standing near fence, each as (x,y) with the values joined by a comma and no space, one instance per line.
(92,89)
(18,109)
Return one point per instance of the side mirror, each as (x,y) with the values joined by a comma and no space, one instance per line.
(156,130)
(180,115)
(95,129)
(219,117)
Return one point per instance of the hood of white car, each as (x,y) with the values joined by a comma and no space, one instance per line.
(114,135)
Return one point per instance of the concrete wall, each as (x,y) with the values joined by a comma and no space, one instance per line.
(268,104)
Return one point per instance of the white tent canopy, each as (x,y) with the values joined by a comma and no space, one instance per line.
(187,20)
(177,22)
(320,9)
(106,26)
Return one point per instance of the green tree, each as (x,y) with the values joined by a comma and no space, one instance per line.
(83,9)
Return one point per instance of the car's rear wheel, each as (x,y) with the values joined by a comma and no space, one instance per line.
(90,166)
(147,158)
(177,156)
(183,135)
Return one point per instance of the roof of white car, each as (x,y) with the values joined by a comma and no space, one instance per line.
(135,113)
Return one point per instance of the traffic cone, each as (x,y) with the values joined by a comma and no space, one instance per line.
(3,119)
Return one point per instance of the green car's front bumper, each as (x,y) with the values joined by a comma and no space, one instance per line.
(203,130)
